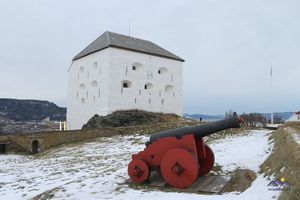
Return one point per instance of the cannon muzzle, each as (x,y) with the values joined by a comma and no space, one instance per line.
(199,130)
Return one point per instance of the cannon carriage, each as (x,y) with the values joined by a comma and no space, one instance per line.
(180,155)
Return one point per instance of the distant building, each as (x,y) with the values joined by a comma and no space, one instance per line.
(294,118)
(118,72)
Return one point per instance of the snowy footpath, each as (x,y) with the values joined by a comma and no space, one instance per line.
(97,170)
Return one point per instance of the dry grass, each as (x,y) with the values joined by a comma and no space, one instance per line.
(240,181)
(228,132)
(285,160)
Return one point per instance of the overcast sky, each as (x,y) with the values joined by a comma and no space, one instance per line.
(228,45)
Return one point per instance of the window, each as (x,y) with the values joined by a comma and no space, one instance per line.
(135,100)
(148,86)
(87,94)
(77,94)
(82,86)
(94,83)
(140,92)
(160,93)
(99,92)
(82,101)
(173,94)
(162,70)
(95,65)
(94,98)
(149,101)
(126,84)
(162,102)
(169,89)
(81,69)
(137,66)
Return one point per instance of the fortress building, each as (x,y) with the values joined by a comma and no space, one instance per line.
(118,72)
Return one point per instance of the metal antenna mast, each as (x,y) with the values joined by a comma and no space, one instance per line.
(271,103)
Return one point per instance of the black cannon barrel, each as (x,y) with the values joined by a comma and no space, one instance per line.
(199,130)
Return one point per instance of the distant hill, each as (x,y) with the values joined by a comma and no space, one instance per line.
(27,110)
(283,115)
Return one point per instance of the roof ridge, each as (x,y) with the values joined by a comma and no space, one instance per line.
(129,36)
(113,39)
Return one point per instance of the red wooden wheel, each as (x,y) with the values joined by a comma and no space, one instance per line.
(179,168)
(138,171)
(207,163)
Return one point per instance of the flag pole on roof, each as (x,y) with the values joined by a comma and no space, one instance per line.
(129,27)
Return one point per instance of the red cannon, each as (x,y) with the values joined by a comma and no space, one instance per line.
(179,154)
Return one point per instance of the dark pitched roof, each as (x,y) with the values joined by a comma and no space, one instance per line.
(109,39)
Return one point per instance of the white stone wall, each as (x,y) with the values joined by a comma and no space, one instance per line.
(294,118)
(114,67)
(94,77)
(136,96)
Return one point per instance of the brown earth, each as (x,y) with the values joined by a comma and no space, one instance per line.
(129,118)
(284,161)
(240,181)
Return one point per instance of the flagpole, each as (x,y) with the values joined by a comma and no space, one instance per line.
(271,103)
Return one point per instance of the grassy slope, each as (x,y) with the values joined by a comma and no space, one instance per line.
(285,160)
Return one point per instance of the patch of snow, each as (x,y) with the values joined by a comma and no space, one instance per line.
(296,137)
(273,125)
(246,151)
(97,170)
(257,191)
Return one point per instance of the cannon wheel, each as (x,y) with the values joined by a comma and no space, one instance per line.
(179,168)
(207,163)
(138,171)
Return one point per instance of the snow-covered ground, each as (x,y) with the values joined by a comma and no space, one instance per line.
(247,152)
(97,170)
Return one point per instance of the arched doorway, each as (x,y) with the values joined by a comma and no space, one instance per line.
(2,149)
(35,147)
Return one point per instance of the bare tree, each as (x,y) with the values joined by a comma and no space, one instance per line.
(254,119)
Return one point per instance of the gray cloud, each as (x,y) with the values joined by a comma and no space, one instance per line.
(228,46)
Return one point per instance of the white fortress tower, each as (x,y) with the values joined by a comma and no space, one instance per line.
(118,72)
